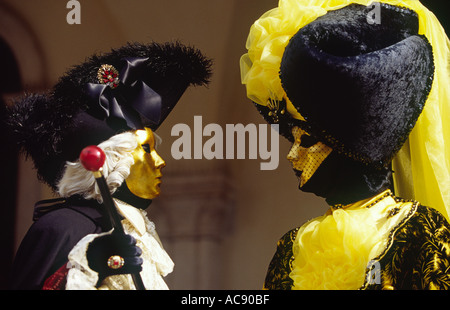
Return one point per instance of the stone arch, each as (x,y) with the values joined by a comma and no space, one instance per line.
(19,36)
(23,65)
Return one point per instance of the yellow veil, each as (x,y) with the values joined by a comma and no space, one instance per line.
(422,167)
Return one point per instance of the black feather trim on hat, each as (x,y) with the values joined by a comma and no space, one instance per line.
(38,127)
(82,109)
(361,87)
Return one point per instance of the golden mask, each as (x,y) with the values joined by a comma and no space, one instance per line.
(306,159)
(145,174)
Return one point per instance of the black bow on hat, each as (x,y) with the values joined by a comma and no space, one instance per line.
(130,88)
(119,94)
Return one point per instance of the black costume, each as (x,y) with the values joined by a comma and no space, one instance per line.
(108,96)
(347,91)
(50,239)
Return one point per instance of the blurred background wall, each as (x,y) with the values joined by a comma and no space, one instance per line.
(218,219)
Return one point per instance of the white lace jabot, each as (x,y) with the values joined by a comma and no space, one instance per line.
(157,263)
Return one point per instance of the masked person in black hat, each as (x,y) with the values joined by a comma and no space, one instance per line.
(345,82)
(116,101)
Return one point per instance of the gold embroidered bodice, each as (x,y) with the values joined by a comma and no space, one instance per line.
(409,244)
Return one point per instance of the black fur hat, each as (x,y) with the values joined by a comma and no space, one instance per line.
(360,86)
(128,88)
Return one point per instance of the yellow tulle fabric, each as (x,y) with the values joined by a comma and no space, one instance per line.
(332,252)
(422,167)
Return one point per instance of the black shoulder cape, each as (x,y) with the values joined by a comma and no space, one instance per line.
(56,230)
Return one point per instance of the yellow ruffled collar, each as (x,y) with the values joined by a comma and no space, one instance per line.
(334,250)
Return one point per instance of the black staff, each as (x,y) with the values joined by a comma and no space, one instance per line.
(92,158)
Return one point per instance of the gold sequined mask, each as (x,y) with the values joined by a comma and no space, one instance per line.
(306,158)
(145,174)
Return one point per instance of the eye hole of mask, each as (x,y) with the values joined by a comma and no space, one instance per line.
(308,141)
(146,147)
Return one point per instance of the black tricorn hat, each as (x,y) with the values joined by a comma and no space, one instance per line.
(359,85)
(129,88)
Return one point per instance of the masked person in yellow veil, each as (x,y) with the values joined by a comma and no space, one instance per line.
(350,83)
